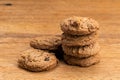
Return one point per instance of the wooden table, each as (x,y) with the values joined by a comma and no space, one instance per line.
(21,20)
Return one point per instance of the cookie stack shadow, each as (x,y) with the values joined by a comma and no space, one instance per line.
(79,41)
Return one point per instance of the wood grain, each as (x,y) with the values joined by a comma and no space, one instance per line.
(21,20)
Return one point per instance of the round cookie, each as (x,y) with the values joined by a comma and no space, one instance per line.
(70,40)
(81,51)
(79,25)
(37,60)
(46,42)
(83,62)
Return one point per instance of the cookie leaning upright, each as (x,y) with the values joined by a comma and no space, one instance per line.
(79,25)
(79,41)
(51,42)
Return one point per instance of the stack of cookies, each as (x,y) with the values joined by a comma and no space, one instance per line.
(79,41)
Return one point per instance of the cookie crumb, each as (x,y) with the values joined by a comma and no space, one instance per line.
(8,4)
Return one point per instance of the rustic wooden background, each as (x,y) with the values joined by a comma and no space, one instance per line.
(21,20)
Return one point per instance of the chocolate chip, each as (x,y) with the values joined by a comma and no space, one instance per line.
(46,59)
(75,24)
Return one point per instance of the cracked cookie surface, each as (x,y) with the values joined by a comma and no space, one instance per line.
(81,51)
(79,25)
(83,62)
(37,60)
(70,40)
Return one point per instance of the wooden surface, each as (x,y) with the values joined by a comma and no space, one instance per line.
(25,19)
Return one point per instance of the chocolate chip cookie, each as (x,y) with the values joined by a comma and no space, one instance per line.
(79,40)
(83,62)
(37,60)
(81,51)
(79,25)
(46,42)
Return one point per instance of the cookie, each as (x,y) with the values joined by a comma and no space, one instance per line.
(79,25)
(37,60)
(46,42)
(81,40)
(83,62)
(81,51)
